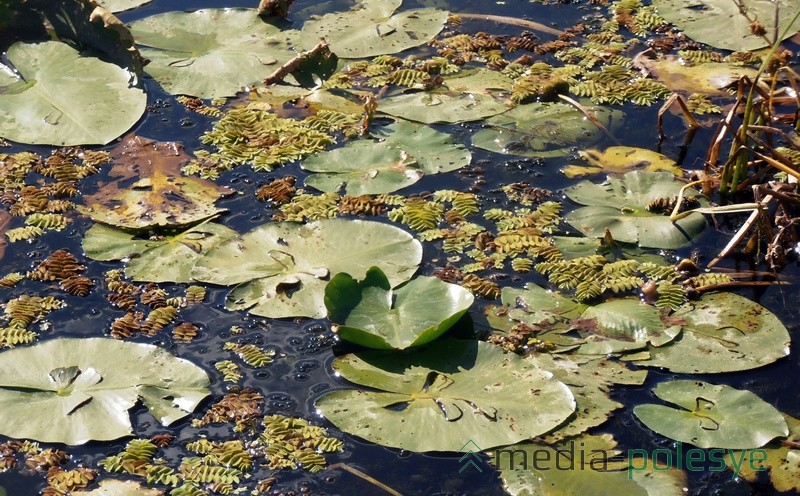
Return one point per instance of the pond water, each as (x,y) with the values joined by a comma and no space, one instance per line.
(301,371)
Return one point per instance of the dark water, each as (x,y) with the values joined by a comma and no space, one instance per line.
(306,348)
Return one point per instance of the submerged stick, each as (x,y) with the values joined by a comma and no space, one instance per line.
(511,20)
(368,478)
(591,117)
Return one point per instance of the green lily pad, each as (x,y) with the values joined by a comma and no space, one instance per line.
(590,379)
(434,398)
(625,324)
(544,129)
(712,416)
(211,52)
(620,205)
(363,167)
(621,159)
(373,29)
(406,152)
(281,269)
(701,20)
(783,462)
(441,105)
(371,314)
(723,332)
(583,465)
(535,299)
(61,98)
(120,5)
(165,258)
(74,390)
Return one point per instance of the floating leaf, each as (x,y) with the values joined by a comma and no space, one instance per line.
(373,29)
(438,396)
(708,78)
(116,487)
(407,151)
(281,269)
(441,105)
(211,52)
(149,190)
(543,129)
(782,461)
(713,416)
(620,205)
(73,390)
(590,380)
(625,324)
(371,314)
(583,465)
(621,159)
(120,5)
(166,258)
(5,220)
(701,20)
(363,167)
(723,332)
(62,98)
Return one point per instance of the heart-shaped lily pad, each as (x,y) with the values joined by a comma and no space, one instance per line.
(435,397)
(211,52)
(281,269)
(61,98)
(712,416)
(371,314)
(163,258)
(74,390)
(621,206)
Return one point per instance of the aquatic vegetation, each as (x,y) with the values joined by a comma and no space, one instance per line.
(621,159)
(370,313)
(50,391)
(300,260)
(711,416)
(49,103)
(251,354)
(449,389)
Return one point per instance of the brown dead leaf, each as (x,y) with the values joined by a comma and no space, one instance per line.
(5,221)
(149,190)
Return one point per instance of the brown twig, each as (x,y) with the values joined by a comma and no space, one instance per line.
(513,21)
(368,478)
(591,118)
(293,64)
(736,284)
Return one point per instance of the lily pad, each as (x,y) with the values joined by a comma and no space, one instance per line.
(723,332)
(373,29)
(281,269)
(210,53)
(584,465)
(120,5)
(407,152)
(62,98)
(544,129)
(620,205)
(709,78)
(74,390)
(625,324)
(590,379)
(701,20)
(163,258)
(363,167)
(116,487)
(443,393)
(621,159)
(712,416)
(782,461)
(371,314)
(149,190)
(441,105)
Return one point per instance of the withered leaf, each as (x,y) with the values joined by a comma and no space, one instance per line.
(148,189)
